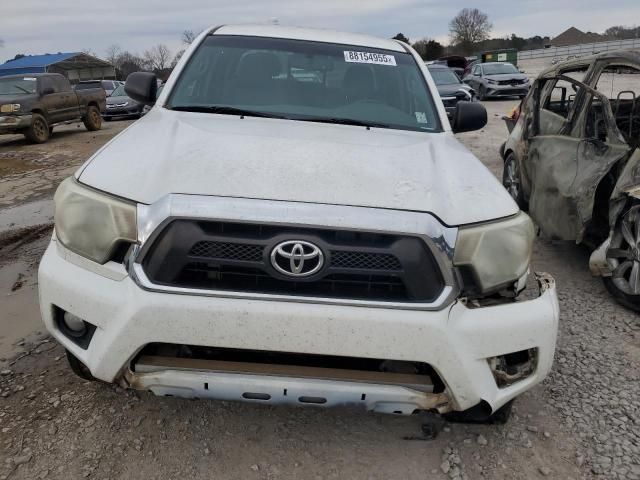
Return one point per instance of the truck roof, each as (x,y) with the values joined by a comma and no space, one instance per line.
(310,34)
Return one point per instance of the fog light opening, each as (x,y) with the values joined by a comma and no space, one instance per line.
(76,329)
(513,367)
(75,325)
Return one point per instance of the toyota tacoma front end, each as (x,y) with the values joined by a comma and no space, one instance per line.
(294,223)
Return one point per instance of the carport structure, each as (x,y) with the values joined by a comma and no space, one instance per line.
(75,66)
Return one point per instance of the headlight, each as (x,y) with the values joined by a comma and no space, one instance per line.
(491,82)
(10,108)
(91,223)
(497,254)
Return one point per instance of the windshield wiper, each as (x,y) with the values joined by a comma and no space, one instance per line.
(344,121)
(223,110)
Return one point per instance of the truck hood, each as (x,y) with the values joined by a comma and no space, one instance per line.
(17,98)
(220,155)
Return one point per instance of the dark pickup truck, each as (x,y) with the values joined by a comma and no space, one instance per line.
(32,104)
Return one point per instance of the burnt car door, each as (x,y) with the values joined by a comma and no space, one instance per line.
(574,144)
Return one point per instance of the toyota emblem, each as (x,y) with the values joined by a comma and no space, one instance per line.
(297,258)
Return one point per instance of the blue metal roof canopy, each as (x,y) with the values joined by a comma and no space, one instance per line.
(34,63)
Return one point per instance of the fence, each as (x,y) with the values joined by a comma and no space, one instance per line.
(560,54)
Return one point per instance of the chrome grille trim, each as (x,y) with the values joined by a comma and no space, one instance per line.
(439,238)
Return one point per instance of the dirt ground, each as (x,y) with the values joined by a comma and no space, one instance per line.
(581,423)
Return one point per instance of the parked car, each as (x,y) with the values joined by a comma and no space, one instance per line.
(33,104)
(119,104)
(450,88)
(572,160)
(279,241)
(497,79)
(108,85)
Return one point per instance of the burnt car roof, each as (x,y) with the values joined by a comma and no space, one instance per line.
(632,56)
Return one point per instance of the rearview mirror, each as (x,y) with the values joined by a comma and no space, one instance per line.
(142,87)
(469,116)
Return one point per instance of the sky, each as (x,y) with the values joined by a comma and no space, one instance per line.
(51,26)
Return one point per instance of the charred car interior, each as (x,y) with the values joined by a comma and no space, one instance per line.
(572,161)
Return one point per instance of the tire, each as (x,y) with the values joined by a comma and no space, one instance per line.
(107,119)
(38,131)
(79,368)
(92,120)
(482,93)
(50,131)
(624,256)
(512,180)
(481,413)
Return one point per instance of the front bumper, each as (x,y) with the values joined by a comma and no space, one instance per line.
(14,123)
(456,341)
(507,90)
(130,111)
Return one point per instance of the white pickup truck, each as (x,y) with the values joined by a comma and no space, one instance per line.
(293,222)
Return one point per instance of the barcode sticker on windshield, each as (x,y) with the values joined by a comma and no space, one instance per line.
(368,57)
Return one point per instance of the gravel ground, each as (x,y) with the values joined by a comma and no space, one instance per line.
(582,422)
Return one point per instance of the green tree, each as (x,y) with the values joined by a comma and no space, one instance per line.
(400,37)
(429,49)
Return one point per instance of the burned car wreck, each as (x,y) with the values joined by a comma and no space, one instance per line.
(572,161)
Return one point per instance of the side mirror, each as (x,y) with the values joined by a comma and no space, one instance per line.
(142,87)
(469,116)
(48,91)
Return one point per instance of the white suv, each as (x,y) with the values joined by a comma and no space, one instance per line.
(295,223)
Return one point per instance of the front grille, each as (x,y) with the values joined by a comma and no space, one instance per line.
(236,258)
(229,251)
(511,82)
(365,261)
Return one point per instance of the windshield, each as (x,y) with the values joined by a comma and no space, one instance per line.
(499,68)
(305,80)
(17,86)
(118,92)
(444,76)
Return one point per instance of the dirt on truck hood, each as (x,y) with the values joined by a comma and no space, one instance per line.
(204,154)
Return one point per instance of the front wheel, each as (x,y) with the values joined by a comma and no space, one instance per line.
(93,120)
(38,131)
(482,93)
(512,180)
(624,257)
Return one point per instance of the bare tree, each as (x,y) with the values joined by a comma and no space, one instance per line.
(158,57)
(188,36)
(113,53)
(469,27)
(177,58)
(88,51)
(127,63)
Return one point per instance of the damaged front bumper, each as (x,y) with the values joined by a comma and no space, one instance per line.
(14,123)
(460,343)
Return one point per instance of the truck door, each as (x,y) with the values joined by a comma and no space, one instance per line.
(68,99)
(573,147)
(51,99)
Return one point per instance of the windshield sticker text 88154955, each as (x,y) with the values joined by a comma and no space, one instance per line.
(368,57)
